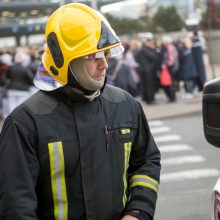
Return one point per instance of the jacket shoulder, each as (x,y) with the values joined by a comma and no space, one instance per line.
(115,95)
(41,103)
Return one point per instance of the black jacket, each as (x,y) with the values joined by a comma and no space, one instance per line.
(19,77)
(63,156)
(197,53)
(187,69)
(123,78)
(147,58)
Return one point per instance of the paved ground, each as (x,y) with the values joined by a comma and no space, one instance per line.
(166,110)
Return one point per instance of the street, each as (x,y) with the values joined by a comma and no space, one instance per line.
(190,169)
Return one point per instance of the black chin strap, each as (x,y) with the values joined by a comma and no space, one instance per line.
(72,82)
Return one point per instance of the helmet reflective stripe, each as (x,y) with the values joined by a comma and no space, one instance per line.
(58,183)
(144,181)
(101,54)
(55,49)
(107,37)
(127,151)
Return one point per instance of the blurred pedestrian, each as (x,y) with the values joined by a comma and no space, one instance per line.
(119,74)
(18,82)
(146,58)
(135,48)
(34,61)
(171,62)
(197,53)
(128,58)
(187,70)
(5,63)
(18,76)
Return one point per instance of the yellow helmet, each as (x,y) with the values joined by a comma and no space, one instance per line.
(75,30)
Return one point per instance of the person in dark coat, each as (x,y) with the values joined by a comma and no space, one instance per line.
(34,64)
(197,53)
(187,70)
(18,76)
(119,75)
(146,58)
(5,62)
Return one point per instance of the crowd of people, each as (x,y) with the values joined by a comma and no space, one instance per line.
(17,69)
(137,71)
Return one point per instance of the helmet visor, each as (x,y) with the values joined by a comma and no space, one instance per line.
(116,51)
(112,52)
(44,81)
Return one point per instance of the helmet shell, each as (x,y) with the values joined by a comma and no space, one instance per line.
(74,30)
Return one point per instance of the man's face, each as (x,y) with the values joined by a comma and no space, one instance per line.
(96,65)
(149,43)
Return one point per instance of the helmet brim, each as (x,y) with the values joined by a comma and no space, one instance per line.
(44,81)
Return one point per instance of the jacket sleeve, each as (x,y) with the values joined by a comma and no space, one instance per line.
(19,170)
(144,169)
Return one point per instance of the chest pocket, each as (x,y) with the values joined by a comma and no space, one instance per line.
(123,133)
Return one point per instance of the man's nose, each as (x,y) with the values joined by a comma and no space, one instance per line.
(103,63)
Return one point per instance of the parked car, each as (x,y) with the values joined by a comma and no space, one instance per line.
(211,124)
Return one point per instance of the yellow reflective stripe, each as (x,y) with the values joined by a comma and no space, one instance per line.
(53,181)
(124,175)
(127,151)
(144,177)
(63,181)
(147,185)
(58,183)
(126,131)
(145,181)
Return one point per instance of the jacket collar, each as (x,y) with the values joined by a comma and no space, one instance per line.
(68,95)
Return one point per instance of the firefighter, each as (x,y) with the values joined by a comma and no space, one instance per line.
(78,149)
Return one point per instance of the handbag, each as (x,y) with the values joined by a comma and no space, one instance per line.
(165,78)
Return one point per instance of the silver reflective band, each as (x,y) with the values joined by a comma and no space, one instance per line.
(58,183)
(144,181)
